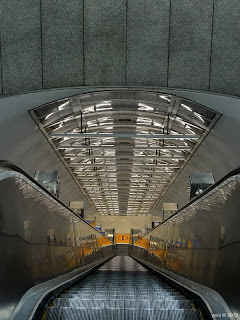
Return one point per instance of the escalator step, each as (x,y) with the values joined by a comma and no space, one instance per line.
(131,304)
(118,295)
(52,314)
(122,290)
(120,314)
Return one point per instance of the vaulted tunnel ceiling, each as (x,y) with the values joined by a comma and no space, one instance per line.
(125,147)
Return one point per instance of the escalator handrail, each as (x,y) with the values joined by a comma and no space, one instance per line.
(206,191)
(9,165)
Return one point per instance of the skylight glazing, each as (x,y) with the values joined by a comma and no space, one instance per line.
(125,147)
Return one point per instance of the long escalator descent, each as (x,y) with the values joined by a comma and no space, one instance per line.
(121,289)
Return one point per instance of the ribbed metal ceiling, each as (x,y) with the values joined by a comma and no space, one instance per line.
(125,147)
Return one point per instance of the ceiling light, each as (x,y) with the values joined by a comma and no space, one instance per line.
(191,131)
(156,124)
(144,107)
(88,109)
(61,107)
(49,115)
(180,121)
(164,97)
(104,103)
(199,116)
(186,107)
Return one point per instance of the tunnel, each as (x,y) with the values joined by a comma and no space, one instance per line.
(119,166)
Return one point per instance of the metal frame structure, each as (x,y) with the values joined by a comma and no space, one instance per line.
(125,147)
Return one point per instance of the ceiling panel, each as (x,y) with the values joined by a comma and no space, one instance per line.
(125,147)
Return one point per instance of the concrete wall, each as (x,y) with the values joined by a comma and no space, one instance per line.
(168,43)
(22,143)
(219,154)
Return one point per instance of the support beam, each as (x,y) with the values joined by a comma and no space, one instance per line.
(122,182)
(124,147)
(119,177)
(76,165)
(87,156)
(90,181)
(125,187)
(121,172)
(125,135)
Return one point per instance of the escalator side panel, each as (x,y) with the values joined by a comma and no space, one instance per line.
(40,239)
(201,242)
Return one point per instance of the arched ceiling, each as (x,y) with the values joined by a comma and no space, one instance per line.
(125,147)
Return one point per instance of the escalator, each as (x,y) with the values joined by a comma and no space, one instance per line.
(56,266)
(121,289)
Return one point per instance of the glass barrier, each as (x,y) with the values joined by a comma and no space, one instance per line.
(201,242)
(40,239)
